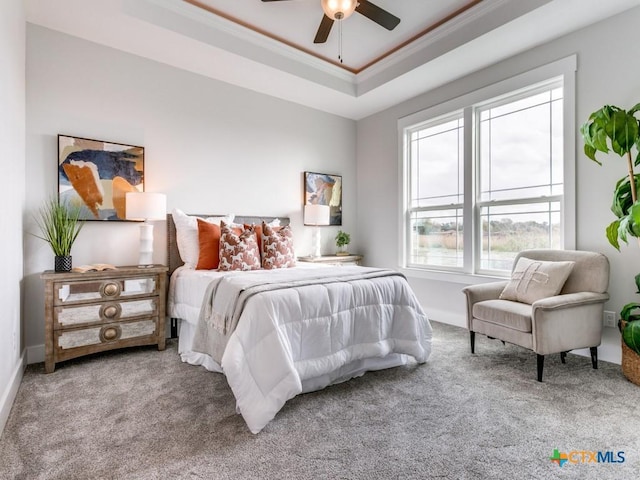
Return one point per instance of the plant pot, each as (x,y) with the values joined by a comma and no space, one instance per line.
(342,253)
(630,362)
(62,263)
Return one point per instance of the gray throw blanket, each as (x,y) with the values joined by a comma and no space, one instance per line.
(226,296)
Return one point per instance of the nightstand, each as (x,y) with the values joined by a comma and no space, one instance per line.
(98,311)
(334,259)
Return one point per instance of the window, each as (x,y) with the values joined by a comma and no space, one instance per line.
(484,177)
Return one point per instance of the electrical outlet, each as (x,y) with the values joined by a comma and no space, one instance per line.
(609,319)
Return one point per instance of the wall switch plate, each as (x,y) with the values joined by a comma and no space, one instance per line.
(610,319)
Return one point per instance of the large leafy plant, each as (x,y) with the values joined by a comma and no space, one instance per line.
(613,129)
(59,225)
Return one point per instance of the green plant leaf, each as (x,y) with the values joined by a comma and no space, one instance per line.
(628,309)
(612,234)
(590,152)
(631,335)
(59,225)
(637,280)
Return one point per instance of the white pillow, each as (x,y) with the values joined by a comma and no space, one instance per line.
(533,280)
(187,234)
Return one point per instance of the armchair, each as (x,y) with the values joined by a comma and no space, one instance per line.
(570,320)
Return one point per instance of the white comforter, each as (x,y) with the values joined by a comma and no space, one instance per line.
(318,331)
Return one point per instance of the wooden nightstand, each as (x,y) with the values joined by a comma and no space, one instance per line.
(334,259)
(97,311)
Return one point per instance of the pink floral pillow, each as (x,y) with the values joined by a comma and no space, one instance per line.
(238,251)
(277,247)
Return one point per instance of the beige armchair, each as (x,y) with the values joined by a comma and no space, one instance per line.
(556,324)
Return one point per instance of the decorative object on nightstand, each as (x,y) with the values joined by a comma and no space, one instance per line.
(316,215)
(59,226)
(146,206)
(97,311)
(336,260)
(342,240)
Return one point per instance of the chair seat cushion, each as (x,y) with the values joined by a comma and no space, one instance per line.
(506,313)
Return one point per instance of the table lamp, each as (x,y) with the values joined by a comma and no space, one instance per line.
(316,215)
(146,206)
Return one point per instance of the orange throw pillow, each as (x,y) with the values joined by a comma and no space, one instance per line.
(209,242)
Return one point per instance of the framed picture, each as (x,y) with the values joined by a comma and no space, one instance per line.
(324,189)
(96,175)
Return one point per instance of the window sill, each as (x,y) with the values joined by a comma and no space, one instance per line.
(451,277)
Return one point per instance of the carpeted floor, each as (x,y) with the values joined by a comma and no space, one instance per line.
(142,414)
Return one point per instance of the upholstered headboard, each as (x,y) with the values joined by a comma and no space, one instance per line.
(173,255)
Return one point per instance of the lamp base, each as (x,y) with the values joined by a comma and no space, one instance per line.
(146,245)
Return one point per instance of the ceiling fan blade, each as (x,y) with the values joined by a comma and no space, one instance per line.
(274,0)
(377,14)
(323,30)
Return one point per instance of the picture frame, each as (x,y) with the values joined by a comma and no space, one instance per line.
(96,175)
(324,189)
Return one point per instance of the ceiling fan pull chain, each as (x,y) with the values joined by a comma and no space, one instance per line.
(340,40)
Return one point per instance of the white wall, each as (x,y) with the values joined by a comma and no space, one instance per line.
(210,146)
(607,74)
(12,155)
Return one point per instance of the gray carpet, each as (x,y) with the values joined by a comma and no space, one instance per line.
(142,414)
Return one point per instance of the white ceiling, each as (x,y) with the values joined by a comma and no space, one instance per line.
(186,36)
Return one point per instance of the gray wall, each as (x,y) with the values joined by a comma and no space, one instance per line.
(607,74)
(12,156)
(210,146)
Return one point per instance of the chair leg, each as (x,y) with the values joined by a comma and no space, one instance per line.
(563,357)
(473,341)
(594,357)
(540,366)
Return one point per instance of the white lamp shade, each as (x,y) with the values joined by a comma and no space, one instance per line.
(146,206)
(317,214)
(338,9)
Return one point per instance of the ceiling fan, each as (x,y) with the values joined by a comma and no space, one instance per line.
(341,9)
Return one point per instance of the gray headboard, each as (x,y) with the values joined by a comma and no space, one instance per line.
(173,255)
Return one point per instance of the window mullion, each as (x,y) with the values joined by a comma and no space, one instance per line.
(469,215)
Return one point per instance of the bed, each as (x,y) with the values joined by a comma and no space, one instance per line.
(277,333)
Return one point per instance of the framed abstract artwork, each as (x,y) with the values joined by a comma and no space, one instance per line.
(324,189)
(96,175)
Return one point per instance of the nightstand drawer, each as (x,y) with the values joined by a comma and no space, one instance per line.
(67,293)
(104,334)
(70,316)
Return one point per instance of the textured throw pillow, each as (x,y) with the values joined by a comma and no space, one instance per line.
(277,247)
(238,251)
(532,280)
(275,223)
(187,234)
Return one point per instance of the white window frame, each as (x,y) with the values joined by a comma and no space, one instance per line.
(563,70)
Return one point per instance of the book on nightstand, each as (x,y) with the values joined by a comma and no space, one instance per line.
(94,267)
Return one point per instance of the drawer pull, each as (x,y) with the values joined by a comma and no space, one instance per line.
(110,333)
(110,311)
(110,289)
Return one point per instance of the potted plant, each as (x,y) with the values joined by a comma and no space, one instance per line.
(342,240)
(59,226)
(613,129)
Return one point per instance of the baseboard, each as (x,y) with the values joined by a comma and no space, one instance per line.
(444,316)
(35,354)
(9,395)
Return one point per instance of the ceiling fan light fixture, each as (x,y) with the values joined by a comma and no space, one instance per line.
(338,9)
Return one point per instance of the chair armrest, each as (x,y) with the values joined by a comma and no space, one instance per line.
(484,291)
(479,293)
(569,300)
